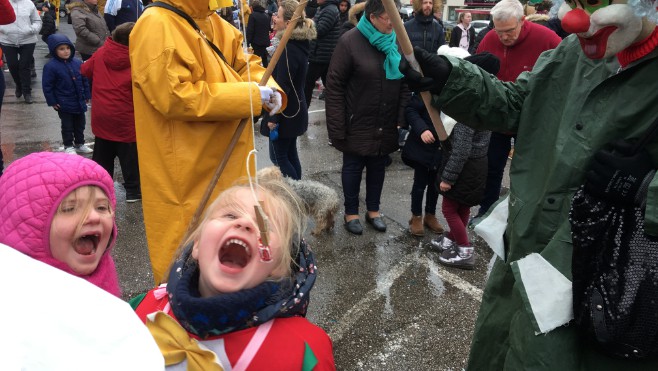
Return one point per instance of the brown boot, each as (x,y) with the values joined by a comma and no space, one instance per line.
(432,223)
(416,226)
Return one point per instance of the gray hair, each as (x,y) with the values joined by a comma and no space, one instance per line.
(507,9)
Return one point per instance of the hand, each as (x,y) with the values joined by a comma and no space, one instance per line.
(271,125)
(435,70)
(427,137)
(618,175)
(56,107)
(274,105)
(265,94)
(444,187)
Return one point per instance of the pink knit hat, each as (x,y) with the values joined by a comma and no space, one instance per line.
(31,190)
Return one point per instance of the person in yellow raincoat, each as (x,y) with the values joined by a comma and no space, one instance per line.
(188,103)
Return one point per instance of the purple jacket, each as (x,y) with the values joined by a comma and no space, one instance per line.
(31,190)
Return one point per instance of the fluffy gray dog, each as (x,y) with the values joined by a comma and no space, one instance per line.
(321,201)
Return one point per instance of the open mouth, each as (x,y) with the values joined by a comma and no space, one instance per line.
(86,244)
(596,45)
(235,253)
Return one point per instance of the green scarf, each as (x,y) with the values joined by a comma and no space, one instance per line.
(386,44)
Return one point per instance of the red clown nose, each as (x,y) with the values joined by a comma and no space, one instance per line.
(576,21)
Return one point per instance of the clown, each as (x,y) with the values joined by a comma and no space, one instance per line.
(593,88)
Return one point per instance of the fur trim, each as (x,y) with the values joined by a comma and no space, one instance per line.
(537,18)
(418,5)
(354,10)
(77,4)
(306,32)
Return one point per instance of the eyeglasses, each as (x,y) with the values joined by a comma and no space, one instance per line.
(509,31)
(384,18)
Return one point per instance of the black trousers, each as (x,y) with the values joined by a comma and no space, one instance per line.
(20,60)
(73,128)
(351,175)
(105,151)
(315,70)
(261,51)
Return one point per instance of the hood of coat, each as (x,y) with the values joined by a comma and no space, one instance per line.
(195,8)
(79,5)
(417,6)
(537,18)
(306,32)
(355,12)
(56,40)
(31,190)
(116,56)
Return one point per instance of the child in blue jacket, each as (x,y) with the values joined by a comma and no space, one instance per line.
(67,91)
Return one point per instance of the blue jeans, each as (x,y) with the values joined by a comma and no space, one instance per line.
(283,153)
(424,178)
(73,128)
(499,148)
(351,178)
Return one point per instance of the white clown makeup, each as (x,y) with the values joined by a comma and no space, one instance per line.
(604,27)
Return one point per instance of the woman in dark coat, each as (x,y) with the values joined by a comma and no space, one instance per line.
(463,35)
(258,30)
(365,103)
(290,73)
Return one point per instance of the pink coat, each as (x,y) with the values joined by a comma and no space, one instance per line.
(31,190)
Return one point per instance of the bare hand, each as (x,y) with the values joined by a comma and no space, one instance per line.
(444,187)
(271,125)
(427,137)
(56,107)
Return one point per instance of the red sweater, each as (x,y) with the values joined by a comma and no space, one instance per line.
(7,16)
(533,40)
(112,112)
(283,349)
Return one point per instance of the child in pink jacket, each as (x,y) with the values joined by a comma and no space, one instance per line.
(59,209)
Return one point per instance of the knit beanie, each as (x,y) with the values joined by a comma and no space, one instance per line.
(486,61)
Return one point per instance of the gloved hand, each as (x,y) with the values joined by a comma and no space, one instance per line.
(618,175)
(270,99)
(435,70)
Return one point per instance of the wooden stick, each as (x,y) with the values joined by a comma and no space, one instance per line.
(238,131)
(408,50)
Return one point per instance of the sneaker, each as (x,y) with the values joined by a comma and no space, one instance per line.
(69,150)
(459,257)
(443,243)
(83,149)
(133,198)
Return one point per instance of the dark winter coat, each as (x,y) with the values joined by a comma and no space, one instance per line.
(327,24)
(456,35)
(62,82)
(129,12)
(363,108)
(311,8)
(48,26)
(425,32)
(415,150)
(290,74)
(258,28)
(90,28)
(353,16)
(465,165)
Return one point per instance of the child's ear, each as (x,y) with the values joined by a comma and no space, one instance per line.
(195,250)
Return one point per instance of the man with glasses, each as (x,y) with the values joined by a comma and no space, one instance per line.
(517,43)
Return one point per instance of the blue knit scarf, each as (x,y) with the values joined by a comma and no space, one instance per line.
(386,44)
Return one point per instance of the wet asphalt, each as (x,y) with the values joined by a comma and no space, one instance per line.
(383,298)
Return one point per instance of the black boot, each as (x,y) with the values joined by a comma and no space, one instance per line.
(19,92)
(28,98)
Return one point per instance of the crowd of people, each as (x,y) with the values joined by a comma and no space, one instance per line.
(559,102)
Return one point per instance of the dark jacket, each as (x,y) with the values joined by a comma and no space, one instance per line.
(425,32)
(290,74)
(353,16)
(415,150)
(129,12)
(258,28)
(327,24)
(90,28)
(62,82)
(344,17)
(456,35)
(363,108)
(48,26)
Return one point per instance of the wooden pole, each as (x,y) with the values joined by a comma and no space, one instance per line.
(238,132)
(408,50)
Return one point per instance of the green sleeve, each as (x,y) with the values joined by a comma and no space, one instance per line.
(134,302)
(651,212)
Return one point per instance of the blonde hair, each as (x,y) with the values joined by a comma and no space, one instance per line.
(461,16)
(283,207)
(287,10)
(86,207)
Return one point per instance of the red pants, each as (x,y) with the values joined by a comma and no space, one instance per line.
(456,215)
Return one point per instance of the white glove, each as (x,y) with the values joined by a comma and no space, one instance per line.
(274,105)
(265,94)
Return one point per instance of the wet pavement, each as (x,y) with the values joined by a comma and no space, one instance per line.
(383,298)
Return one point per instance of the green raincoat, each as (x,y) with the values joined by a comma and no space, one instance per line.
(563,111)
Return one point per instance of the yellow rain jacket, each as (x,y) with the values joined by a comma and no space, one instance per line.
(188,103)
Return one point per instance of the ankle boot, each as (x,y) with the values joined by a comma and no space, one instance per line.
(431,222)
(416,226)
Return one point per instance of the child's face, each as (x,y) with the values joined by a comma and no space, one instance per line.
(63,51)
(227,249)
(81,229)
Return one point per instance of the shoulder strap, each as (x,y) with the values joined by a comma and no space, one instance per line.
(182,14)
(254,345)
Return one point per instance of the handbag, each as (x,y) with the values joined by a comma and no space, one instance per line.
(615,274)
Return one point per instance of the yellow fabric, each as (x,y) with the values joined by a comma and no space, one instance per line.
(176,345)
(188,103)
(216,4)
(247,12)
